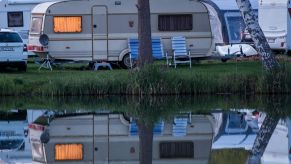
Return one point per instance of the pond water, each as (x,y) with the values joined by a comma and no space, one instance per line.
(161,130)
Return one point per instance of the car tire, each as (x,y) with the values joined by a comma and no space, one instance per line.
(22,67)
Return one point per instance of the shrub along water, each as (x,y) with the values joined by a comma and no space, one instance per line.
(214,78)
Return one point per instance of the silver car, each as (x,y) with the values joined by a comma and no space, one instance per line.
(13,52)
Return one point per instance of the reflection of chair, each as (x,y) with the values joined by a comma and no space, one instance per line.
(181,54)
(157,130)
(180,124)
(157,49)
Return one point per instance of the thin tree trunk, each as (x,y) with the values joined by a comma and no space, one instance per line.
(144,33)
(263,138)
(145,133)
(257,35)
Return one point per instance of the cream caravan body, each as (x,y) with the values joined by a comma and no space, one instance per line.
(101,28)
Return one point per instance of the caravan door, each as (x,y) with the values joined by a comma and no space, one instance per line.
(99,33)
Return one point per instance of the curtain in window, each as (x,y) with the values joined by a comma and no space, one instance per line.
(68,152)
(67,24)
(175,22)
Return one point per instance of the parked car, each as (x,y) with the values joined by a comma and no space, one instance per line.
(13,52)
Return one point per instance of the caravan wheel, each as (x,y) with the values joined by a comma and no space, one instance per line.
(125,63)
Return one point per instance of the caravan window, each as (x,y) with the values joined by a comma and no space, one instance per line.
(36,25)
(179,22)
(68,24)
(15,19)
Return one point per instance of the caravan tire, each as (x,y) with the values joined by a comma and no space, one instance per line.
(125,63)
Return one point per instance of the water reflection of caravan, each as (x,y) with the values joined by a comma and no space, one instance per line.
(99,30)
(185,139)
(277,151)
(273,22)
(235,130)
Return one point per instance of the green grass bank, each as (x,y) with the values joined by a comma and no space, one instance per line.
(245,77)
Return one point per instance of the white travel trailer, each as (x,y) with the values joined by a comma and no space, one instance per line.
(15,14)
(98,30)
(116,140)
(273,15)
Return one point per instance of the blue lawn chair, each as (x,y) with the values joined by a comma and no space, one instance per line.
(157,49)
(181,54)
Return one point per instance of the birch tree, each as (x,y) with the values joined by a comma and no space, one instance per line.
(144,33)
(261,44)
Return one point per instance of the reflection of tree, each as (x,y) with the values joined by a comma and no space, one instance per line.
(276,108)
(263,137)
(145,143)
(146,111)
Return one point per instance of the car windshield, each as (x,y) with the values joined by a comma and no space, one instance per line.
(9,37)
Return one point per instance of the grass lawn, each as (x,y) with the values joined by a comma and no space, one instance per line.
(204,77)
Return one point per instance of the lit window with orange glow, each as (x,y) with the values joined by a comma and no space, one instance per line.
(68,152)
(68,24)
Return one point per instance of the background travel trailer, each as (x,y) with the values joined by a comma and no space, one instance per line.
(15,14)
(227,23)
(273,15)
(99,30)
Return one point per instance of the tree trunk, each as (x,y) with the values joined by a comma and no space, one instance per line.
(145,133)
(262,139)
(144,33)
(257,35)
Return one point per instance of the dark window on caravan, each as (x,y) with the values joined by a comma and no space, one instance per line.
(177,149)
(15,19)
(179,22)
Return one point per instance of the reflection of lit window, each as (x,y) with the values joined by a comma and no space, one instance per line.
(179,22)
(67,24)
(68,152)
(15,19)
